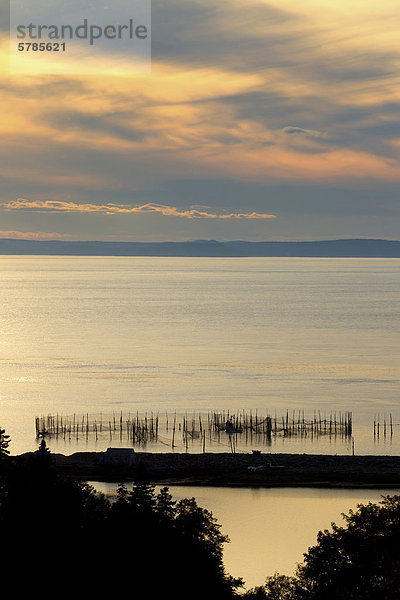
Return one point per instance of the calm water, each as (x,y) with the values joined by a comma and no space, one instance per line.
(269,529)
(109,334)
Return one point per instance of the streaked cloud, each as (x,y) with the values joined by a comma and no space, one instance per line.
(112,209)
(301,131)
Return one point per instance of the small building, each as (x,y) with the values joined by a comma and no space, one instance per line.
(119,457)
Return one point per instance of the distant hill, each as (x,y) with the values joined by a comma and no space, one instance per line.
(368,248)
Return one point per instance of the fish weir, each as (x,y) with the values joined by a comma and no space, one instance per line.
(201,429)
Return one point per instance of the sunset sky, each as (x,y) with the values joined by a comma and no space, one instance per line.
(275,120)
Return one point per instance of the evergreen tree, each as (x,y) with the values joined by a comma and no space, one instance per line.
(142,498)
(165,505)
(144,542)
(4,443)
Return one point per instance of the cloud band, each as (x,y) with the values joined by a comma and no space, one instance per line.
(112,209)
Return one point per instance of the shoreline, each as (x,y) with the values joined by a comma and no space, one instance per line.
(233,470)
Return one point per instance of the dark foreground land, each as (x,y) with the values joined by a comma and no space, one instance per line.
(146,545)
(238,469)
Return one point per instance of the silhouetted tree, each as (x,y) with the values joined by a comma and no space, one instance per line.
(357,561)
(198,524)
(4,443)
(165,505)
(41,462)
(142,498)
(277,587)
(144,543)
(122,492)
(43,449)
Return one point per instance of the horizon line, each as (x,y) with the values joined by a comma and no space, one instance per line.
(199,240)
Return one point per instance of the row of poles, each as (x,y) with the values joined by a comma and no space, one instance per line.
(384,427)
(221,427)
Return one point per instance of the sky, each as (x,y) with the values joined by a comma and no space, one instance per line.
(275,120)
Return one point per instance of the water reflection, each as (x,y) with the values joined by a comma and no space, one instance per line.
(270,529)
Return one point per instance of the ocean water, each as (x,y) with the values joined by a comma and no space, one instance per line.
(107,334)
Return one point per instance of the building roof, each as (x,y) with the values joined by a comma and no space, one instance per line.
(120,451)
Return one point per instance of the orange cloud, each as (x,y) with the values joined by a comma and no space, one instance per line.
(33,235)
(112,209)
(182,119)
